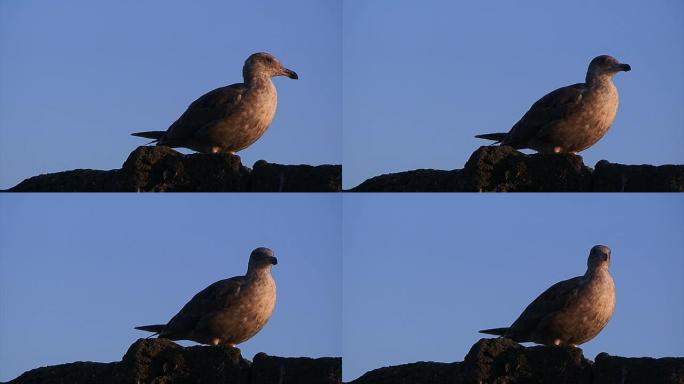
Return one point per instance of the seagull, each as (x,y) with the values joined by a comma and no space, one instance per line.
(230,118)
(570,312)
(569,119)
(228,312)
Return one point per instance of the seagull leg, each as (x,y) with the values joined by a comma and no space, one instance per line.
(221,150)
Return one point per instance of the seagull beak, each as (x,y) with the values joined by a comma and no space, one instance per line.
(274,261)
(625,67)
(289,73)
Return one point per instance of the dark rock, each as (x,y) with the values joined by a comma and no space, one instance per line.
(163,361)
(504,169)
(505,361)
(414,373)
(161,169)
(618,370)
(420,180)
(267,177)
(609,177)
(81,180)
(296,370)
(77,373)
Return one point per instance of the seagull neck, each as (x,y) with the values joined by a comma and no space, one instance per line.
(258,273)
(599,80)
(256,80)
(598,271)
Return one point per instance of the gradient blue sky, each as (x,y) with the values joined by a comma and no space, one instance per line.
(422,78)
(77,77)
(78,272)
(423,273)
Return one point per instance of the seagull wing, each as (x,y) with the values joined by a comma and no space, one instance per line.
(554,299)
(212,106)
(548,110)
(219,295)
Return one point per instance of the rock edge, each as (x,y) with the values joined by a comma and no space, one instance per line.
(505,361)
(161,169)
(504,169)
(163,361)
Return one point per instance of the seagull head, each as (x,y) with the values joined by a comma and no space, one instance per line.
(599,257)
(262,258)
(263,63)
(605,65)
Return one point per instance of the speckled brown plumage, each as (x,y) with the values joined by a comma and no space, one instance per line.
(572,118)
(570,312)
(230,118)
(227,312)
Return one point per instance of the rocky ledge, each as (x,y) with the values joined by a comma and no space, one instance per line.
(161,169)
(505,361)
(163,361)
(503,169)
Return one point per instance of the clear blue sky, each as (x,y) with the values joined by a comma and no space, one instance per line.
(423,273)
(422,78)
(77,77)
(78,272)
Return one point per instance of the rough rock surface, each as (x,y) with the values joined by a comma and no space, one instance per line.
(267,177)
(161,169)
(271,369)
(163,361)
(505,361)
(615,369)
(422,372)
(609,177)
(504,169)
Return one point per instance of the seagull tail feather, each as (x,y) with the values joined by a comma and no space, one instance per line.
(157,328)
(495,331)
(498,137)
(156,135)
